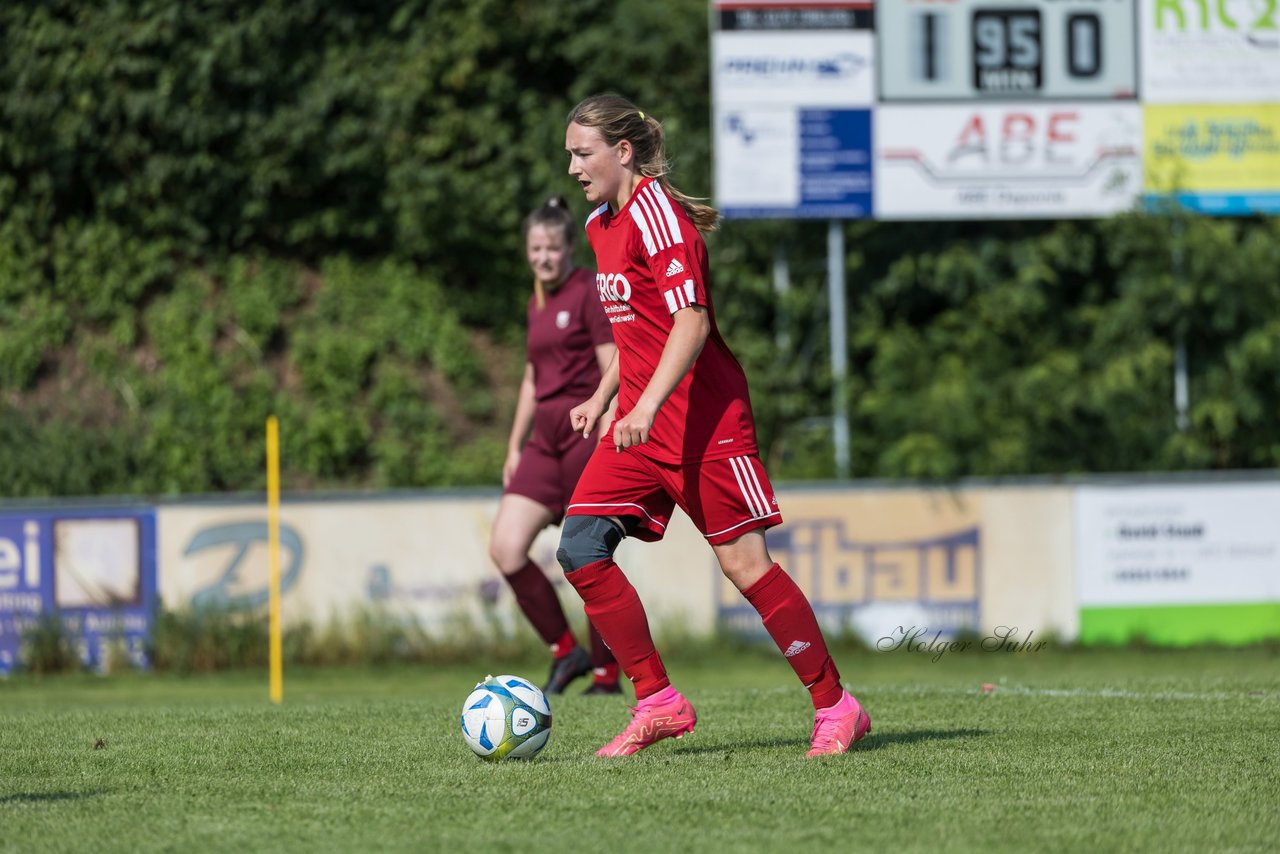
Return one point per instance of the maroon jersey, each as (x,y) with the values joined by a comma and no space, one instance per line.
(652,262)
(563,336)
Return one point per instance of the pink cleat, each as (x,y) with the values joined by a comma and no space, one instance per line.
(836,729)
(666,714)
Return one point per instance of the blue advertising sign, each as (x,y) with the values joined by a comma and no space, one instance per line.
(835,163)
(95,570)
(793,91)
(22,595)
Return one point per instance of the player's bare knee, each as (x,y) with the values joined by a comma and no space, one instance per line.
(744,560)
(587,539)
(508,556)
(743,576)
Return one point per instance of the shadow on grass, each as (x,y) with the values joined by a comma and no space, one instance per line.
(44,797)
(873,741)
(693,750)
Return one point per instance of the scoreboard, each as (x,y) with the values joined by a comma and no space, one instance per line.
(1025,49)
(994,109)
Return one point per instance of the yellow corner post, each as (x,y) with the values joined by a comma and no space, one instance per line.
(273,559)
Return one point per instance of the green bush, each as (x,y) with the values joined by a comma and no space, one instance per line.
(207,640)
(47,647)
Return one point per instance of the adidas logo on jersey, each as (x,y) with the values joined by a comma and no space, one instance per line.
(796,648)
(675,268)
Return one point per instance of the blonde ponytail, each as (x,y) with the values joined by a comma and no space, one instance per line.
(617,119)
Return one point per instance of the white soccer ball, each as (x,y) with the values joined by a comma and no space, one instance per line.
(506,717)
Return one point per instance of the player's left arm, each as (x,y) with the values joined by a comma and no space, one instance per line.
(689,330)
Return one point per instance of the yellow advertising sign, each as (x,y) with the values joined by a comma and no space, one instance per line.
(1220,158)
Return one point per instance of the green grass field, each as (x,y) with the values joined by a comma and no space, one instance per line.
(1084,750)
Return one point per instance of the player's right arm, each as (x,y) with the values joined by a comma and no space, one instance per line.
(584,416)
(606,353)
(526,403)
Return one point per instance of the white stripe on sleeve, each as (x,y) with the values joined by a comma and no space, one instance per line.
(639,217)
(671,301)
(660,237)
(658,219)
(673,224)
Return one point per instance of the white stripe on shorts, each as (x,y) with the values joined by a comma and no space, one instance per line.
(620,512)
(711,534)
(750,485)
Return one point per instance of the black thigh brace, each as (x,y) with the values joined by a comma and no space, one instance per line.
(587,539)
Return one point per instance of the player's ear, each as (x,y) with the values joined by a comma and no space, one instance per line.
(625,152)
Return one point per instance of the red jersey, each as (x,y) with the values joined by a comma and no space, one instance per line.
(563,336)
(652,262)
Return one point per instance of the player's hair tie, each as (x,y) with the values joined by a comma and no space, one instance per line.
(641,112)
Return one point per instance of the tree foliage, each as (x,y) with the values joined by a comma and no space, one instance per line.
(210,212)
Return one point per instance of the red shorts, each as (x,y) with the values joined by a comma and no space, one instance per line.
(553,459)
(724,498)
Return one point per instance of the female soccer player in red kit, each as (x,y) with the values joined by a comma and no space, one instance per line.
(569,345)
(684,433)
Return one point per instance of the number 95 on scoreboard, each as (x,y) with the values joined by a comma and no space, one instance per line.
(1000,49)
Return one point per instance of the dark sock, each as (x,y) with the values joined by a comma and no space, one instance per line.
(537,599)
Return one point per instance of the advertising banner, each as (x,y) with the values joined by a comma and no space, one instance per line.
(1006,49)
(792,88)
(1221,159)
(1178,563)
(1220,51)
(1007,161)
(870,559)
(424,560)
(92,569)
(899,567)
(873,562)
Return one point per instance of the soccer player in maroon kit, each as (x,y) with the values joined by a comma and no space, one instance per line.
(569,343)
(684,432)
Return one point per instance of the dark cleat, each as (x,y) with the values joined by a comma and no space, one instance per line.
(566,669)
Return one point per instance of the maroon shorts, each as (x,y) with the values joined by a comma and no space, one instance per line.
(553,459)
(724,498)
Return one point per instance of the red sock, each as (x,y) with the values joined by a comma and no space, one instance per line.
(601,657)
(789,619)
(565,645)
(537,599)
(606,674)
(616,611)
